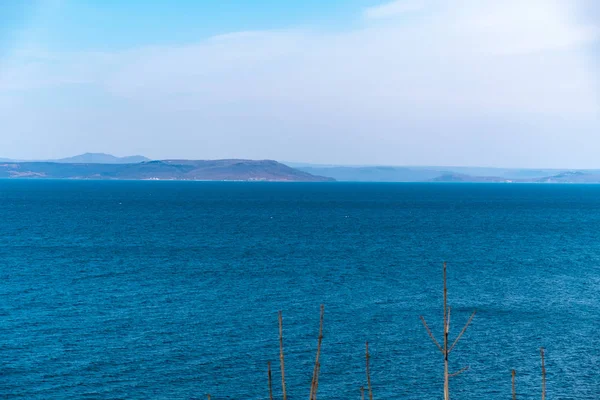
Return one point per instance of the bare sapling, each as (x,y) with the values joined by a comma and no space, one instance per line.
(447,348)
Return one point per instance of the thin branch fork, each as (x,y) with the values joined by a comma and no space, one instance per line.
(446,347)
(458,372)
(464,329)
(431,334)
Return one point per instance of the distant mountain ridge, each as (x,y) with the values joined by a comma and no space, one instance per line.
(107,166)
(89,158)
(200,170)
(102,158)
(450,174)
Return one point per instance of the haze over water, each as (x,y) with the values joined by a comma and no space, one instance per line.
(170,290)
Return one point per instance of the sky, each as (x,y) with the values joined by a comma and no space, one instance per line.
(511,83)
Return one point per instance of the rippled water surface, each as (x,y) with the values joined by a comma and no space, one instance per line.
(170,290)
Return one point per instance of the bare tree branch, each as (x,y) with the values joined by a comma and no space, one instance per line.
(543,375)
(368,373)
(315,378)
(281,361)
(514,391)
(431,334)
(445,297)
(270,381)
(463,331)
(458,372)
(317,381)
(445,352)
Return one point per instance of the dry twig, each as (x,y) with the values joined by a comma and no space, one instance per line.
(270,381)
(368,373)
(543,374)
(315,379)
(514,391)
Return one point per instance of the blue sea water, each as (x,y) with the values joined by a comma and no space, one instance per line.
(170,290)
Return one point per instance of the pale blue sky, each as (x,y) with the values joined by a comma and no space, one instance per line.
(120,24)
(507,83)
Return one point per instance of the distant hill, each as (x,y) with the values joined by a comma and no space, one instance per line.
(373,174)
(592,176)
(449,174)
(454,177)
(210,170)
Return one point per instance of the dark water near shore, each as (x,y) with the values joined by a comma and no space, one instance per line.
(170,290)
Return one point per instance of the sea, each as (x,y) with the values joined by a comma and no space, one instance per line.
(171,290)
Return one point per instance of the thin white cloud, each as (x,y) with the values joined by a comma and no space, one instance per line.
(514,26)
(393,9)
(442,82)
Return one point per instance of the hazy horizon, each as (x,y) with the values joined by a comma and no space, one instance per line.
(358,82)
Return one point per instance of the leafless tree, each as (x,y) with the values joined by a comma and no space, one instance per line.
(447,348)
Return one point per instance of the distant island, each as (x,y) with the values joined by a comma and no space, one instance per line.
(450,174)
(106,166)
(202,170)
